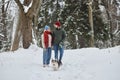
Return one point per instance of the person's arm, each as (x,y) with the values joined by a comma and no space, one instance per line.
(49,40)
(53,37)
(42,40)
(63,35)
(63,38)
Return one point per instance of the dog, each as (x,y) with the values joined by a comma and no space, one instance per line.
(55,64)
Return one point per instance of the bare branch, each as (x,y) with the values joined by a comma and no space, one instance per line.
(19,5)
(4,3)
(7,6)
(33,10)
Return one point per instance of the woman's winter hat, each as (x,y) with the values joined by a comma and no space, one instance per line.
(46,27)
(57,23)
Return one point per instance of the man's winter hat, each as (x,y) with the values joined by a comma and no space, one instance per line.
(46,27)
(57,23)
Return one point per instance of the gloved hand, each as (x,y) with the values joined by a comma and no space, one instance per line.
(61,44)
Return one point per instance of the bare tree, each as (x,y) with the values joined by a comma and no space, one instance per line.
(113,20)
(4,24)
(25,22)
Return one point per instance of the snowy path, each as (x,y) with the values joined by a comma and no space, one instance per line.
(81,64)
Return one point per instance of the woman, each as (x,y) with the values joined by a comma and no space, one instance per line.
(46,44)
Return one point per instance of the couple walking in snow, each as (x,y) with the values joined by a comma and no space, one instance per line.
(55,39)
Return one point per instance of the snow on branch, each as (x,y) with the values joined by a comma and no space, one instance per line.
(1,24)
(116,32)
(26,8)
(23,5)
(19,5)
(4,3)
(102,8)
(1,35)
(111,1)
(22,1)
(62,4)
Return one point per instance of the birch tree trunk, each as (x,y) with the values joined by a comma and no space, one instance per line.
(25,23)
(3,20)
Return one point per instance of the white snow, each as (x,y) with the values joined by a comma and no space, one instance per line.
(118,7)
(62,4)
(79,64)
(1,35)
(55,2)
(22,1)
(111,1)
(50,11)
(26,8)
(116,32)
(102,8)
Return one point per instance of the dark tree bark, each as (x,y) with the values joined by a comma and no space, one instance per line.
(24,27)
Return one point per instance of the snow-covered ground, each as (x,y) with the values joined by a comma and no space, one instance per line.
(79,64)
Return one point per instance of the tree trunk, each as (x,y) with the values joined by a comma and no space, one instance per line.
(26,31)
(91,23)
(109,15)
(3,20)
(24,28)
(17,35)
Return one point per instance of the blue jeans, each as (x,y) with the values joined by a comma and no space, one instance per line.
(61,50)
(46,56)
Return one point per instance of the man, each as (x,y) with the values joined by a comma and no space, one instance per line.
(58,41)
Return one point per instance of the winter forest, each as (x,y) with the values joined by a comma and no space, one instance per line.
(88,23)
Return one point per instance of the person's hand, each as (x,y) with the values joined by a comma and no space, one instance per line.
(44,49)
(61,44)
